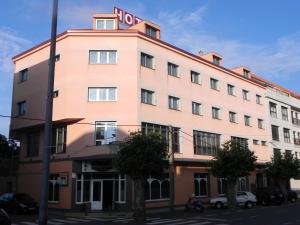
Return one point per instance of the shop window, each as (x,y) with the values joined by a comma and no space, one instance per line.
(157,189)
(53,188)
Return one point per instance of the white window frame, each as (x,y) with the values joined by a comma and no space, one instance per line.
(247,120)
(148,57)
(198,105)
(174,69)
(21,108)
(171,100)
(149,182)
(217,110)
(199,179)
(195,74)
(231,87)
(230,117)
(260,123)
(214,83)
(106,125)
(147,92)
(106,94)
(107,57)
(245,94)
(105,24)
(53,182)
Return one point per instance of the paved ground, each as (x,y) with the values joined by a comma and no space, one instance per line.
(288,214)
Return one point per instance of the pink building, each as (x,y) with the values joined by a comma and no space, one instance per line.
(111,81)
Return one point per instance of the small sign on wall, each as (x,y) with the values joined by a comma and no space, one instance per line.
(63,180)
(126,17)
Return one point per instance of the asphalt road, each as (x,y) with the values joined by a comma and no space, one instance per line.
(287,214)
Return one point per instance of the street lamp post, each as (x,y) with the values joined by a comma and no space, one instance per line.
(43,211)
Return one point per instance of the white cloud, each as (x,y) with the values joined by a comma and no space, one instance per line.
(271,60)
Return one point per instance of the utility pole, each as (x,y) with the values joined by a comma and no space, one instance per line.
(43,211)
(171,168)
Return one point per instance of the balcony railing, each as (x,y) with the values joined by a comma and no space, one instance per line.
(297,141)
(296,121)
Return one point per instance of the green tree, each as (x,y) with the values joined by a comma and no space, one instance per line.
(142,155)
(282,168)
(232,161)
(8,156)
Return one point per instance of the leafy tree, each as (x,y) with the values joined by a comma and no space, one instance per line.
(8,156)
(232,161)
(282,168)
(142,155)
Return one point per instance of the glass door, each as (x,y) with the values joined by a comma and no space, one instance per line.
(96,203)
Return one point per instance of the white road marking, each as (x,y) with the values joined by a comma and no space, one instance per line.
(212,219)
(184,222)
(54,223)
(99,219)
(64,221)
(79,220)
(165,221)
(201,223)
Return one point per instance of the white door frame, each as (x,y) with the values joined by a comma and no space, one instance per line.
(96,205)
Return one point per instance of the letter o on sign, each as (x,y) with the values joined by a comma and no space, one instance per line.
(128,19)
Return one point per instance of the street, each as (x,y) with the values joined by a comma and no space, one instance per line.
(287,214)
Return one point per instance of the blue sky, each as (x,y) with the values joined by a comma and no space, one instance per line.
(262,35)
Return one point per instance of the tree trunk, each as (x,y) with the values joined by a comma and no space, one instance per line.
(231,194)
(282,185)
(139,202)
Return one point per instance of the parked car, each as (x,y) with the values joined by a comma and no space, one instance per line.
(243,198)
(274,195)
(292,196)
(18,203)
(4,218)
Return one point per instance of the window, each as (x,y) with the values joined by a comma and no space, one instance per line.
(260,123)
(243,142)
(105,133)
(286,135)
(59,139)
(214,83)
(102,94)
(295,118)
(230,89)
(222,186)
(263,143)
(105,24)
(84,183)
(216,60)
(247,120)
(243,184)
(21,108)
(103,57)
(195,77)
(275,133)
(288,152)
(174,103)
(57,57)
(232,117)
(284,112)
(147,96)
(163,131)
(215,113)
(147,60)
(296,138)
(255,142)
(156,189)
(23,75)
(206,143)
(196,108)
(273,110)
(33,142)
(245,95)
(201,184)
(276,151)
(258,99)
(246,73)
(53,184)
(151,31)
(55,94)
(173,69)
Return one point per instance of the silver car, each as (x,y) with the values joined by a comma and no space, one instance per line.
(243,198)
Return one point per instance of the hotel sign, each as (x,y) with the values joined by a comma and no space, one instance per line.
(126,17)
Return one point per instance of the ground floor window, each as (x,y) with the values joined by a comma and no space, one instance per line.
(84,186)
(157,189)
(53,188)
(201,184)
(222,186)
(243,184)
